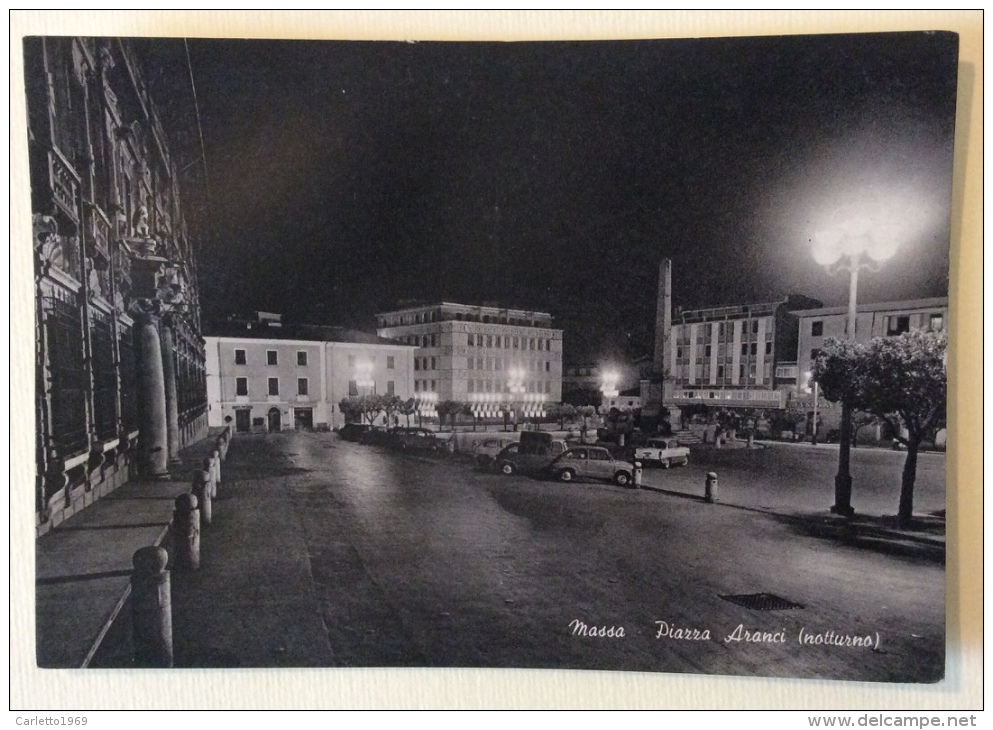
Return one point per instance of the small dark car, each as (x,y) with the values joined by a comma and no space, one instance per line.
(353,431)
(523,457)
(415,439)
(378,437)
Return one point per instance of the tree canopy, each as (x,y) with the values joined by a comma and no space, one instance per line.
(900,380)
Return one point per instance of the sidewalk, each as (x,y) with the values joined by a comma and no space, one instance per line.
(83,566)
(252,601)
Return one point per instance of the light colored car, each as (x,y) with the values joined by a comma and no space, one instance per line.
(664,451)
(591,462)
(485,451)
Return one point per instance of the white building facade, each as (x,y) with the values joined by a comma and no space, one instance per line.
(272,378)
(734,357)
(493,358)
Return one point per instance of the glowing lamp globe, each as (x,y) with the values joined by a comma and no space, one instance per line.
(826,249)
(883,243)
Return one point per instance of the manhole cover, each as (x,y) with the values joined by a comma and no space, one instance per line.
(763,602)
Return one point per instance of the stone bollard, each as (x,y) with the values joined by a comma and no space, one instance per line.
(208,466)
(151,608)
(186,533)
(202,489)
(637,475)
(217,467)
(710,488)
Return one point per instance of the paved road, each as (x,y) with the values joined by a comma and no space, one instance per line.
(419,562)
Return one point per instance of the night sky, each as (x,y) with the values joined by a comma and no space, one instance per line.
(346,177)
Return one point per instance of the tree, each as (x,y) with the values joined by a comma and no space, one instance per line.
(861,419)
(561,412)
(408,408)
(390,404)
(467,411)
(790,418)
(585,412)
(373,405)
(449,409)
(900,380)
(352,408)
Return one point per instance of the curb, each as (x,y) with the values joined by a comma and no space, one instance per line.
(115,611)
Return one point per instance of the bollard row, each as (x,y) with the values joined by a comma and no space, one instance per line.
(151,591)
(151,608)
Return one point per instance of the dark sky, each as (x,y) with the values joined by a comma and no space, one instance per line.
(344,177)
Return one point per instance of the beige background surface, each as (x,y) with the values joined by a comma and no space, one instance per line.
(32,688)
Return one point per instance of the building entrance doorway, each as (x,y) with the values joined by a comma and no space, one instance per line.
(303,418)
(243,420)
(274,420)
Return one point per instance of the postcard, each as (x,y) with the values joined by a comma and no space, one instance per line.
(590,355)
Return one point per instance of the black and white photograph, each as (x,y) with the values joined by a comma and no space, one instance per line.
(619,356)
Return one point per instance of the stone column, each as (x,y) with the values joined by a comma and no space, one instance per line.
(153,445)
(168,338)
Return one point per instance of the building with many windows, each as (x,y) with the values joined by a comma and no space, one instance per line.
(740,356)
(498,358)
(120,385)
(883,319)
(266,376)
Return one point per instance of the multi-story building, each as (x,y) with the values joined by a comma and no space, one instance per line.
(591,376)
(264,375)
(884,319)
(740,356)
(120,384)
(491,356)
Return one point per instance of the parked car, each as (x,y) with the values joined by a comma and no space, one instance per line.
(528,457)
(377,436)
(415,439)
(484,452)
(353,431)
(591,462)
(664,451)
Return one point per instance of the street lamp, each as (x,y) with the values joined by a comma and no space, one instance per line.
(515,386)
(855,240)
(810,378)
(364,380)
(608,386)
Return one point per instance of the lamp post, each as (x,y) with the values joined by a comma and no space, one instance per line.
(855,240)
(608,387)
(364,380)
(515,385)
(816,389)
